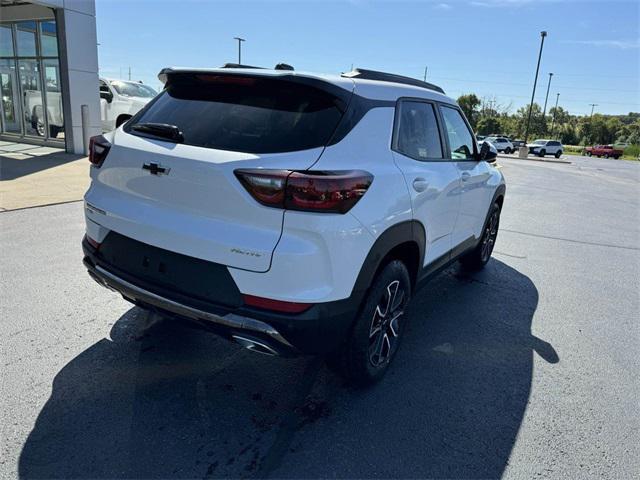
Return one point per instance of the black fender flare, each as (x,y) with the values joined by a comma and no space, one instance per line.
(407,231)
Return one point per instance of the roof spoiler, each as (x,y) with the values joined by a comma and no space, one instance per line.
(361,73)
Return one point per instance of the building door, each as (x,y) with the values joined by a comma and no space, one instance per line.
(10,108)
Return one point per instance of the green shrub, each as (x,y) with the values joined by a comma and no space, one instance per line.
(632,152)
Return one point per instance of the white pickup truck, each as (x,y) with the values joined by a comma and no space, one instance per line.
(119,101)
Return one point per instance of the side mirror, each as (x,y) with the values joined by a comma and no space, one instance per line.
(107,95)
(488,153)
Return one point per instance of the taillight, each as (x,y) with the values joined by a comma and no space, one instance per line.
(92,242)
(310,191)
(98,150)
(275,305)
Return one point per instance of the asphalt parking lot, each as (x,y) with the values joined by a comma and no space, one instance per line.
(527,369)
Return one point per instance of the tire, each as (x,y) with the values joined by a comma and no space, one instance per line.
(558,153)
(479,256)
(616,157)
(54,131)
(588,154)
(378,329)
(542,153)
(507,150)
(606,155)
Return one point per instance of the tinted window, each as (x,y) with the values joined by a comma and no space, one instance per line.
(245,114)
(460,138)
(417,134)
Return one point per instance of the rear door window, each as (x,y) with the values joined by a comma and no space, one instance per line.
(245,114)
(417,135)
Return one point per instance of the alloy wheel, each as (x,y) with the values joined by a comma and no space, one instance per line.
(385,325)
(489,236)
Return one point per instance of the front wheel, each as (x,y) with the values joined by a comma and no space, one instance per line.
(378,329)
(542,153)
(507,150)
(479,256)
(558,153)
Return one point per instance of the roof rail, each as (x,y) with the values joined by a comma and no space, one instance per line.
(363,74)
(239,65)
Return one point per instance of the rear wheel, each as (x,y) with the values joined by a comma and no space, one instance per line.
(378,329)
(507,150)
(479,256)
(606,155)
(616,157)
(588,154)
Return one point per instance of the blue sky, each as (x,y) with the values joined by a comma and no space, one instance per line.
(488,47)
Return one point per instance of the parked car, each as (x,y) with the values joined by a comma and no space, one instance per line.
(480,138)
(502,144)
(291,213)
(517,144)
(605,151)
(120,100)
(545,147)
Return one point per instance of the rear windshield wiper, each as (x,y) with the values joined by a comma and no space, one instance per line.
(163,130)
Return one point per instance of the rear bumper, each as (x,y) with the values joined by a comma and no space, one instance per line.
(318,330)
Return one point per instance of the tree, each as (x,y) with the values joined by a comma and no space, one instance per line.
(469,104)
(488,125)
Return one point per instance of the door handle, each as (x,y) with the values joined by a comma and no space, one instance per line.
(465,176)
(420,184)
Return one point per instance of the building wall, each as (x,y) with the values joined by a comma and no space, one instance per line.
(78,45)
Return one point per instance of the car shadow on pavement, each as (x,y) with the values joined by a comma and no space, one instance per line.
(161,400)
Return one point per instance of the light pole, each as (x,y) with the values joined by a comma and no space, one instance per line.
(555,112)
(593,105)
(544,110)
(240,40)
(543,34)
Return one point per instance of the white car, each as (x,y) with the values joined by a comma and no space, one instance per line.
(502,144)
(120,100)
(543,147)
(292,213)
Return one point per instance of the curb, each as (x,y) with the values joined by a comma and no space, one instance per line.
(566,162)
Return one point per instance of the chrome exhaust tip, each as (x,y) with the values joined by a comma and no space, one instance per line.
(255,346)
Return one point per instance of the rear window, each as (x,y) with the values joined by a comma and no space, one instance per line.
(245,114)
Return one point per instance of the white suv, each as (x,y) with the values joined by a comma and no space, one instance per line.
(545,147)
(292,213)
(502,144)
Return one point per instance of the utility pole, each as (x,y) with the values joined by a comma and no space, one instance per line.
(543,34)
(129,73)
(544,110)
(555,112)
(240,40)
(425,74)
(593,105)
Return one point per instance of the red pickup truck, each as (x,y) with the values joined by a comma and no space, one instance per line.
(605,151)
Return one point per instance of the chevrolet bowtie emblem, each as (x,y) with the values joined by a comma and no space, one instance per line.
(156,169)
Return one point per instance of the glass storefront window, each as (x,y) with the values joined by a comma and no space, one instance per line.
(54,97)
(8,93)
(32,97)
(48,39)
(30,87)
(6,42)
(26,39)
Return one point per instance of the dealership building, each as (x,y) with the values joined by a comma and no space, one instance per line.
(49,73)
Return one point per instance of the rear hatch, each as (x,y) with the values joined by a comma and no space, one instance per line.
(179,192)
